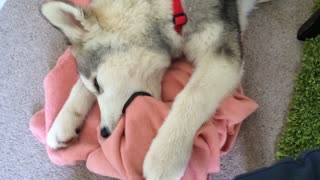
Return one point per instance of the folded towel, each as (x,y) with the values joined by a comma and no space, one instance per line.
(122,154)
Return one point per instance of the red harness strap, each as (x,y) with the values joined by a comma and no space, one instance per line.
(179,17)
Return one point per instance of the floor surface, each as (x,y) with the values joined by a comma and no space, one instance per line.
(29,47)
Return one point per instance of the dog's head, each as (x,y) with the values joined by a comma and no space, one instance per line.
(98,31)
(106,31)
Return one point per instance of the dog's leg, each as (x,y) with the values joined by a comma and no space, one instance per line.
(67,124)
(217,73)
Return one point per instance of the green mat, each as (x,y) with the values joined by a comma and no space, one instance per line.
(316,4)
(302,129)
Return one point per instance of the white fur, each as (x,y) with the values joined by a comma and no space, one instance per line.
(171,149)
(214,77)
(71,117)
(58,13)
(134,76)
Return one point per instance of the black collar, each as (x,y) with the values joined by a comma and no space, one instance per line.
(134,95)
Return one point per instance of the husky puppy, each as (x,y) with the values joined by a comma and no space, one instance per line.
(125,46)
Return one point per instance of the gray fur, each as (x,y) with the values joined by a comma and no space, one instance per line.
(199,12)
(88,61)
(203,12)
(225,50)
(155,40)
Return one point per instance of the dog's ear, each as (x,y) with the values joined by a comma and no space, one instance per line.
(66,17)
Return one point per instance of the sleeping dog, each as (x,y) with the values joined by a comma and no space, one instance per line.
(122,49)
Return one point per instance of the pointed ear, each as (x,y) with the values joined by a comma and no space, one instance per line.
(65,17)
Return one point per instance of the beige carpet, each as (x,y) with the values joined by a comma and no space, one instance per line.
(29,48)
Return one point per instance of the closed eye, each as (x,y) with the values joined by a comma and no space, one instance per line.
(96,85)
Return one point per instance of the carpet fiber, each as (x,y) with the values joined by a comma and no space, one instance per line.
(29,47)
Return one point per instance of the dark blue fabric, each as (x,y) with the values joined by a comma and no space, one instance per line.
(305,167)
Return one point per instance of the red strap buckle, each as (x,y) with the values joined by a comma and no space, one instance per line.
(179,20)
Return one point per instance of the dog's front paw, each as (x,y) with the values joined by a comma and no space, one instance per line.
(64,130)
(166,159)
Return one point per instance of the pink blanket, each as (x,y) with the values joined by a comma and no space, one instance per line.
(122,154)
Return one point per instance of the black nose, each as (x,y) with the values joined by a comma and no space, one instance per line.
(105,132)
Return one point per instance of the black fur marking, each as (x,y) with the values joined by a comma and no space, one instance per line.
(96,85)
(229,11)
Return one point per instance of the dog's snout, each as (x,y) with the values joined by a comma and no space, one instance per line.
(105,132)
